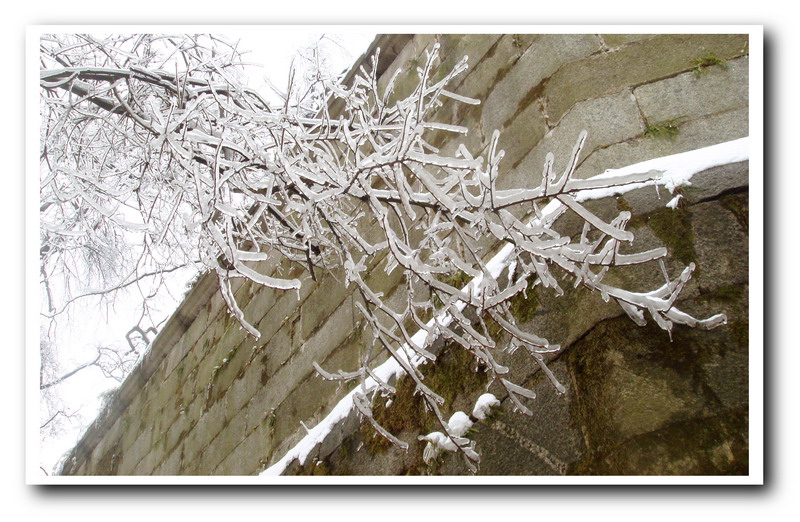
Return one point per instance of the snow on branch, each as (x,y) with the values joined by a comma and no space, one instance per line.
(192,165)
(676,170)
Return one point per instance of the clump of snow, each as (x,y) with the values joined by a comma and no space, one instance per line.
(459,423)
(674,202)
(482,406)
(437,441)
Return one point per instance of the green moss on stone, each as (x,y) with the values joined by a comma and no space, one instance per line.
(623,205)
(524,306)
(457,280)
(738,206)
(725,293)
(674,229)
(405,412)
(109,463)
(667,129)
(701,65)
(741,332)
(314,467)
(223,363)
(406,82)
(454,375)
(448,56)
(705,446)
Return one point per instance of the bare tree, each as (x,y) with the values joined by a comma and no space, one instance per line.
(156,156)
(56,415)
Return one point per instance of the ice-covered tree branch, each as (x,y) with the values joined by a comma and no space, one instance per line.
(188,164)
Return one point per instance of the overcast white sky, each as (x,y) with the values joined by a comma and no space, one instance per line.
(273,50)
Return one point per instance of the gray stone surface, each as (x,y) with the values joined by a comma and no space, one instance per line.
(692,134)
(691,95)
(619,40)
(635,64)
(608,120)
(544,57)
(542,444)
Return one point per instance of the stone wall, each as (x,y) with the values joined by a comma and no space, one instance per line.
(636,401)
(209,400)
